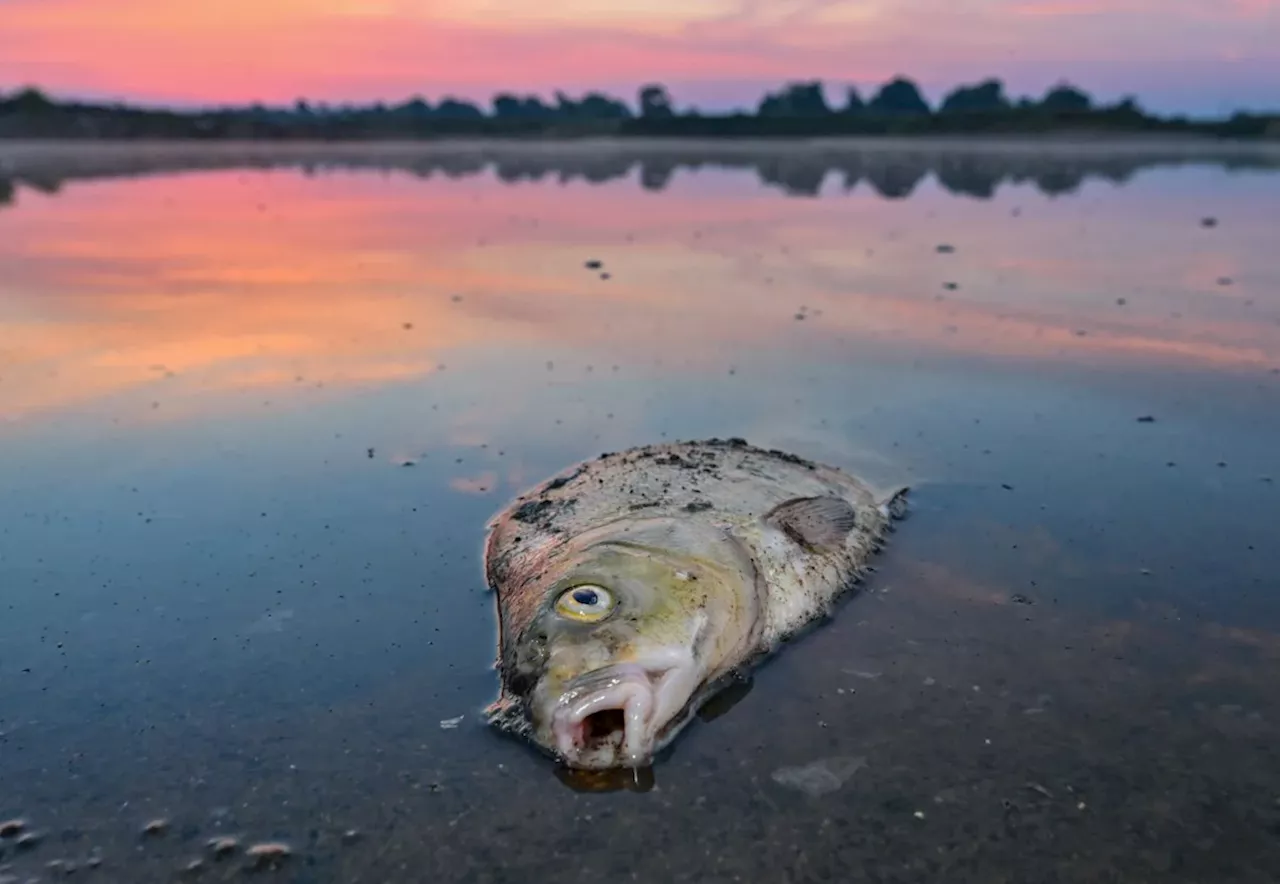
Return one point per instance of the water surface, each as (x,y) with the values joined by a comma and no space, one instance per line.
(256,404)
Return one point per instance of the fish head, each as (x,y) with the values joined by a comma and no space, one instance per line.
(628,630)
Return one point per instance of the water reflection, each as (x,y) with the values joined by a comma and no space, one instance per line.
(892,170)
(255,280)
(253,420)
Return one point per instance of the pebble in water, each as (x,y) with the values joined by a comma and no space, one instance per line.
(156,827)
(223,847)
(268,855)
(28,841)
(9,828)
(351,836)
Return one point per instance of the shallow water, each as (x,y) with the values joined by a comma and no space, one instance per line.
(254,416)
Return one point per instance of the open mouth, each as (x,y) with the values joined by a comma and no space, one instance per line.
(603,719)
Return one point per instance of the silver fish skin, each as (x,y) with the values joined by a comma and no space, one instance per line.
(631,588)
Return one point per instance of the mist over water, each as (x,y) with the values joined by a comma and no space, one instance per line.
(256,404)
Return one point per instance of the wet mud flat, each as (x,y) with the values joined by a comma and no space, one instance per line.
(939,727)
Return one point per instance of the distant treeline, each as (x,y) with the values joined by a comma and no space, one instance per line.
(798,109)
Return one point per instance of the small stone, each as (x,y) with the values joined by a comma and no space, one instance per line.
(1209,221)
(28,840)
(351,836)
(919,814)
(268,854)
(1122,301)
(195,867)
(156,827)
(9,828)
(594,265)
(223,847)
(945,249)
(1147,419)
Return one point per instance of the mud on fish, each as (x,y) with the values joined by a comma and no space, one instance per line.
(633,587)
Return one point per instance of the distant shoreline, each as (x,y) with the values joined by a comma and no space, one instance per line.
(1073,143)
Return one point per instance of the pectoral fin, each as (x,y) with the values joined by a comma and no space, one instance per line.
(814,522)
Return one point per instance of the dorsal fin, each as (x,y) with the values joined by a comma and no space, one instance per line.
(814,522)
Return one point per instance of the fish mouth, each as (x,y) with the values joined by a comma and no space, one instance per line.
(605,718)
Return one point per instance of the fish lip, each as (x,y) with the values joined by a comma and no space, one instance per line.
(629,687)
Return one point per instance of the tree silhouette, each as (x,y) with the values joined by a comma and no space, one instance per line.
(796,100)
(592,106)
(655,103)
(798,108)
(899,97)
(853,103)
(508,106)
(985,97)
(1066,98)
(453,109)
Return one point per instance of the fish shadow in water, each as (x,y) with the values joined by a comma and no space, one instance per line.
(643,779)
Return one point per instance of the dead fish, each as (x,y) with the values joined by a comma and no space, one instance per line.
(632,588)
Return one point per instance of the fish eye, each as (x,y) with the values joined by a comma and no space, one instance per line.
(585,603)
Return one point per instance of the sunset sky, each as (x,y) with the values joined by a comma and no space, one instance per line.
(1192,55)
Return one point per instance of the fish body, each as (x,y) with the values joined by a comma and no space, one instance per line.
(632,587)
